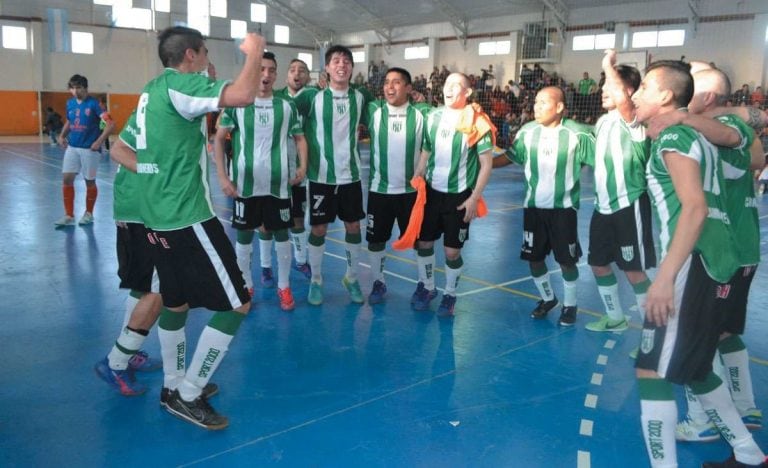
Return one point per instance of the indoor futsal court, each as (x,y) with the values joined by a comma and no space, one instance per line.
(339,385)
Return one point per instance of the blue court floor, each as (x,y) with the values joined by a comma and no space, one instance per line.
(340,385)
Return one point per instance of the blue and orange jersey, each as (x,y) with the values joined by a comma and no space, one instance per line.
(84,118)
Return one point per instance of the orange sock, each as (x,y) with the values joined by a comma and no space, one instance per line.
(90,197)
(68,192)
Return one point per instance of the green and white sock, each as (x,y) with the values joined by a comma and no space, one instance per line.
(130,303)
(570,279)
(377,255)
(299,238)
(283,250)
(641,291)
(173,346)
(608,288)
(127,344)
(425,260)
(543,284)
(316,250)
(265,249)
(352,243)
(452,275)
(244,253)
(736,361)
(658,414)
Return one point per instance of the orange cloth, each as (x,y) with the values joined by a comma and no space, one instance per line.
(408,238)
(90,197)
(68,192)
(475,123)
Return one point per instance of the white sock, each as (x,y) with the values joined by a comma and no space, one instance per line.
(283,250)
(244,253)
(695,412)
(544,286)
(315,254)
(377,264)
(569,293)
(211,349)
(299,246)
(128,340)
(659,418)
(265,253)
(427,270)
(726,418)
(130,304)
(353,258)
(640,298)
(452,276)
(739,379)
(173,349)
(610,297)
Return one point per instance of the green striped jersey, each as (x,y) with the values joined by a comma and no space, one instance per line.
(125,206)
(331,119)
(715,243)
(741,203)
(171,149)
(293,162)
(453,165)
(621,154)
(260,134)
(552,159)
(396,137)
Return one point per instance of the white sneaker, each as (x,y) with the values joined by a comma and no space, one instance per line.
(65,220)
(688,430)
(86,219)
(752,418)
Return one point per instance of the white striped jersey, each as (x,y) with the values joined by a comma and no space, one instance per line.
(621,154)
(715,243)
(453,165)
(260,160)
(552,159)
(396,137)
(331,119)
(292,151)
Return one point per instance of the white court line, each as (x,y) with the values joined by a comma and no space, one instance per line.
(507,283)
(590,401)
(609,344)
(602,359)
(582,459)
(586,427)
(597,379)
(46,163)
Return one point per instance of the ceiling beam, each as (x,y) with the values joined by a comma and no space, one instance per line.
(457,18)
(382,29)
(320,34)
(560,10)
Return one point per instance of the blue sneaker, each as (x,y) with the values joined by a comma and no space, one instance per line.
(689,430)
(446,306)
(304,269)
(267,280)
(753,418)
(315,296)
(422,297)
(377,293)
(355,294)
(141,362)
(122,381)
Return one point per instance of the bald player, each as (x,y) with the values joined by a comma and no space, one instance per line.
(552,150)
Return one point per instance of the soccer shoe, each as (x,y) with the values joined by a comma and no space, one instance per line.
(141,362)
(267,280)
(315,296)
(64,221)
(304,269)
(199,412)
(689,430)
(567,316)
(752,418)
(355,294)
(86,219)
(286,299)
(542,308)
(606,324)
(120,380)
(733,463)
(445,309)
(377,293)
(422,297)
(209,390)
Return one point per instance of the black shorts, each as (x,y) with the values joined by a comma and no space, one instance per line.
(197,266)
(252,212)
(682,351)
(135,263)
(442,218)
(298,201)
(624,237)
(328,201)
(737,300)
(383,210)
(550,230)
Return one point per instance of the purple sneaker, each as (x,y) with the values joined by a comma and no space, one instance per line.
(141,362)
(422,297)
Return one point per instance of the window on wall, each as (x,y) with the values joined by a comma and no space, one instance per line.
(82,43)
(198,16)
(420,52)
(494,48)
(15,37)
(162,6)
(258,13)
(306,58)
(358,57)
(127,17)
(282,34)
(219,8)
(594,42)
(668,38)
(238,29)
